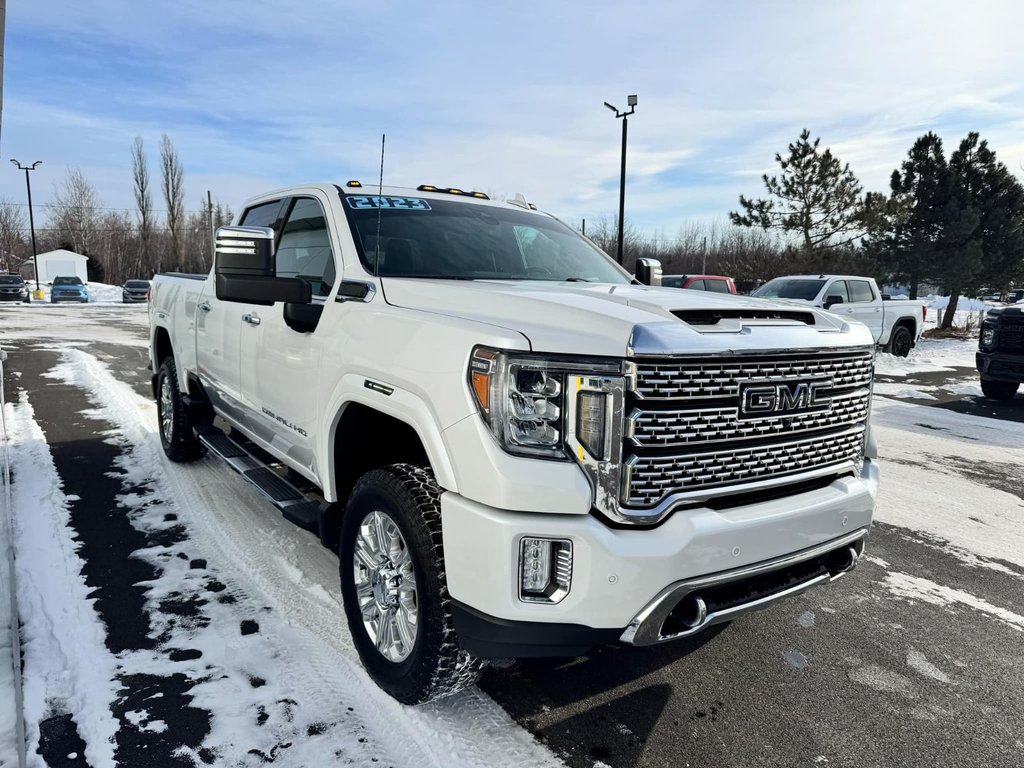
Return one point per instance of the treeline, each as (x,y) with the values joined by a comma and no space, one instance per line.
(956,223)
(121,243)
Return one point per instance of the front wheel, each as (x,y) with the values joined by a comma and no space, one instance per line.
(999,390)
(176,423)
(394,586)
(901,341)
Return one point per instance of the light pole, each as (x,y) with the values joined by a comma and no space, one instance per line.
(31,221)
(631,103)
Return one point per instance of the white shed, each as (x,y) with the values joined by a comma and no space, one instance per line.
(60,263)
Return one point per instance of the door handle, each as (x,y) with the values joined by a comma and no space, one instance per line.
(251,319)
(204,306)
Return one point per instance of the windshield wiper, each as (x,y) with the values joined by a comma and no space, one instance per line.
(575,280)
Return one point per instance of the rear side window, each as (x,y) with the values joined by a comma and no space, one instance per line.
(696,285)
(717,286)
(672,281)
(860,290)
(262,215)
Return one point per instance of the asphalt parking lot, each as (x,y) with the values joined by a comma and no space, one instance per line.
(916,658)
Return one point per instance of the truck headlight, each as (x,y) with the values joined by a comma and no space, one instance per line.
(545,569)
(522,399)
(988,335)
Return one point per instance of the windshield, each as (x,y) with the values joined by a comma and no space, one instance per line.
(67,281)
(137,284)
(10,280)
(460,240)
(788,288)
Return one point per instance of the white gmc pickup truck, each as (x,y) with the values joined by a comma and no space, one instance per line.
(515,447)
(896,325)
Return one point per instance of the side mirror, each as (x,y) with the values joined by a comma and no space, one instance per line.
(831,300)
(648,271)
(243,266)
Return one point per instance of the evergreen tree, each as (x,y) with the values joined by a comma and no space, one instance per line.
(815,198)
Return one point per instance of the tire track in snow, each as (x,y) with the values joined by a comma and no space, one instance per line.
(228,519)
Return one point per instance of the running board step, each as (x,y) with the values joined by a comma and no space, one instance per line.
(292,502)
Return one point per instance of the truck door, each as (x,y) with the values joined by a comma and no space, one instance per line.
(281,357)
(219,332)
(867,307)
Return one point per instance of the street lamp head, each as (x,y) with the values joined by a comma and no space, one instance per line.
(16,163)
(613,109)
(631,100)
(37,163)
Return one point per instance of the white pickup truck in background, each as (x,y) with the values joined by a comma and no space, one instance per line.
(896,324)
(515,447)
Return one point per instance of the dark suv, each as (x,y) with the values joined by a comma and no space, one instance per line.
(14,288)
(1000,355)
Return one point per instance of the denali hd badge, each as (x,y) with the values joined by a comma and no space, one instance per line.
(770,398)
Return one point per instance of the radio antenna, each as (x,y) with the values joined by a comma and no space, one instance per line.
(380,193)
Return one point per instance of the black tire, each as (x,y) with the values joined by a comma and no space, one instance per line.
(900,342)
(176,433)
(999,390)
(436,666)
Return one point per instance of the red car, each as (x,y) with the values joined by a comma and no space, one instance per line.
(713,283)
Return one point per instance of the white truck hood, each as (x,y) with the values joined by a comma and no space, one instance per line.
(621,320)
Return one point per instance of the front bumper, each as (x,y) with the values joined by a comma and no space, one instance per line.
(619,574)
(128,298)
(13,296)
(1000,366)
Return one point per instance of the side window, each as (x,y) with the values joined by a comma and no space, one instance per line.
(672,281)
(696,285)
(262,215)
(860,290)
(717,286)
(838,288)
(304,247)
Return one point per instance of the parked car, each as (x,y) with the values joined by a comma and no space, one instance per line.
(713,283)
(515,449)
(14,288)
(1000,356)
(895,324)
(135,291)
(69,288)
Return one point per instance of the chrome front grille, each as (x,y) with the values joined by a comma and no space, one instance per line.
(696,379)
(652,478)
(692,425)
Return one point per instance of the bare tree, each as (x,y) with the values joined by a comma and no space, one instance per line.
(74,213)
(173,183)
(143,202)
(12,235)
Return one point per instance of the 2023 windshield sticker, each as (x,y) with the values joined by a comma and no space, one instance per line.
(363,202)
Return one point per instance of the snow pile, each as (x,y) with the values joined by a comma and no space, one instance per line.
(965,304)
(928,355)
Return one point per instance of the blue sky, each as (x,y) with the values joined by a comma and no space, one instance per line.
(503,97)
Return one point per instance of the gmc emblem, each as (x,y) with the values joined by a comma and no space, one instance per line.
(772,398)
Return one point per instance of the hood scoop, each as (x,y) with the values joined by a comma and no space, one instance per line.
(745,315)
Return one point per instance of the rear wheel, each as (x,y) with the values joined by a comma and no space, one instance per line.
(176,422)
(394,586)
(999,390)
(901,341)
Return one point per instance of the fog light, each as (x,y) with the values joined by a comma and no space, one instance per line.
(545,569)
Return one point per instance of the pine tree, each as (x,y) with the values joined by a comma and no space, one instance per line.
(815,197)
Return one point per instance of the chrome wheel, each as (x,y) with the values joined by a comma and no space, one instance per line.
(166,409)
(385,586)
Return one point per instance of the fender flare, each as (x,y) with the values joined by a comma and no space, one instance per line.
(400,404)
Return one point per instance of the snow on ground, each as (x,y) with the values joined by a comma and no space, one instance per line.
(954,477)
(929,355)
(66,662)
(300,669)
(120,324)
